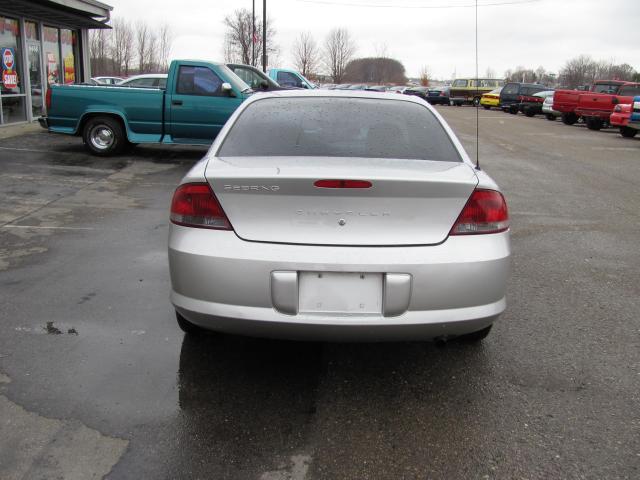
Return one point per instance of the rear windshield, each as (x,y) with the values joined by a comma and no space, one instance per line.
(338,127)
(606,88)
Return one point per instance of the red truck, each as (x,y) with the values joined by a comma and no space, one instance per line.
(596,108)
(566,101)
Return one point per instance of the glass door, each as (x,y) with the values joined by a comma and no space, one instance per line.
(35,68)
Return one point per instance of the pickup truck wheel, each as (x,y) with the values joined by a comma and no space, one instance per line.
(104,136)
(513,109)
(594,123)
(551,117)
(529,113)
(628,132)
(569,118)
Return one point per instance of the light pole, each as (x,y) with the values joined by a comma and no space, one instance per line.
(253,34)
(264,36)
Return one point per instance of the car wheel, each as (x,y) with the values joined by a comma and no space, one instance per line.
(476,101)
(104,136)
(189,328)
(513,110)
(569,118)
(551,117)
(475,337)
(529,113)
(487,107)
(594,123)
(628,132)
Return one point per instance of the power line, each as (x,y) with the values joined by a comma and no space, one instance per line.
(382,5)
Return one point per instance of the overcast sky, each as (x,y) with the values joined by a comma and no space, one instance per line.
(538,32)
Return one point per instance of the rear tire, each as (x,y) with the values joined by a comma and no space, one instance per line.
(569,118)
(628,132)
(476,101)
(529,113)
(513,109)
(189,328)
(475,337)
(104,136)
(551,117)
(594,123)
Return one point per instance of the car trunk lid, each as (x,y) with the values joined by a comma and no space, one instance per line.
(274,199)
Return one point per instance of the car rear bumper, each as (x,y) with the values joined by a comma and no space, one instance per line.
(44,122)
(227,284)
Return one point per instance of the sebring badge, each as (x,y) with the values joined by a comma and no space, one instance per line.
(252,188)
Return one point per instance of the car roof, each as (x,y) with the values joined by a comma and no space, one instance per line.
(319,93)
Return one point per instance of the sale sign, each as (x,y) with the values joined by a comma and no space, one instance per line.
(9,73)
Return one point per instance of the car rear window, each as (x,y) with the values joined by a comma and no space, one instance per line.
(338,127)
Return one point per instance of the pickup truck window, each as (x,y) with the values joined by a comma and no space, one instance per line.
(143,82)
(289,79)
(605,88)
(198,81)
(629,91)
(251,78)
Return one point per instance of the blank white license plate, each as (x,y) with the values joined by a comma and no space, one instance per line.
(338,292)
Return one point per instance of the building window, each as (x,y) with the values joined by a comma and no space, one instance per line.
(12,94)
(68,42)
(52,55)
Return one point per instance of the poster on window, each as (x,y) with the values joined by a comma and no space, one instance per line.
(69,69)
(9,69)
(52,69)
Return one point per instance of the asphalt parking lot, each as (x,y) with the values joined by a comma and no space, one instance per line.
(96,378)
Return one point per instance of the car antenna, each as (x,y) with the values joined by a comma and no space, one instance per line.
(478,104)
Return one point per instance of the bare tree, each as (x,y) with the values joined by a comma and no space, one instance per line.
(151,59)
(578,71)
(339,48)
(121,45)
(425,76)
(165,40)
(240,43)
(142,44)
(99,50)
(305,54)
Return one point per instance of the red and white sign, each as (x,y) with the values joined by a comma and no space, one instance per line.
(10,80)
(7,58)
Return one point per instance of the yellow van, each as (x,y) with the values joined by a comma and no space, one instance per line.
(470,90)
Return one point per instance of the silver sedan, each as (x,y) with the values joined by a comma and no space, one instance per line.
(338,215)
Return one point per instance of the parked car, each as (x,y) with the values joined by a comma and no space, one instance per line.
(422,92)
(547,108)
(418,237)
(514,93)
(290,78)
(620,119)
(566,101)
(255,78)
(147,80)
(596,108)
(357,86)
(491,99)
(107,80)
(198,99)
(438,96)
(377,88)
(634,121)
(470,90)
(397,89)
(341,86)
(531,105)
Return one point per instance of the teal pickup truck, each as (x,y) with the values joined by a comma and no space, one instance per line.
(198,100)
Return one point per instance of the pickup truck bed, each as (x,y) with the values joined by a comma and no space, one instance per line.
(198,100)
(596,108)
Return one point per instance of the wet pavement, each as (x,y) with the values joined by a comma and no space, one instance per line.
(96,379)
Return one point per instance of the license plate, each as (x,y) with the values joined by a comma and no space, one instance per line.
(338,292)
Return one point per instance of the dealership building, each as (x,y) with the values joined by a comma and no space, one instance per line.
(43,42)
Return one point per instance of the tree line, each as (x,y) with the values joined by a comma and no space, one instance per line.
(130,48)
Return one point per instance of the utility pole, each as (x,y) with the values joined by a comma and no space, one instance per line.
(264,36)
(253,34)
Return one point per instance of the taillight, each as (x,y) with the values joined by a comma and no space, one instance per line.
(195,205)
(485,212)
(48,98)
